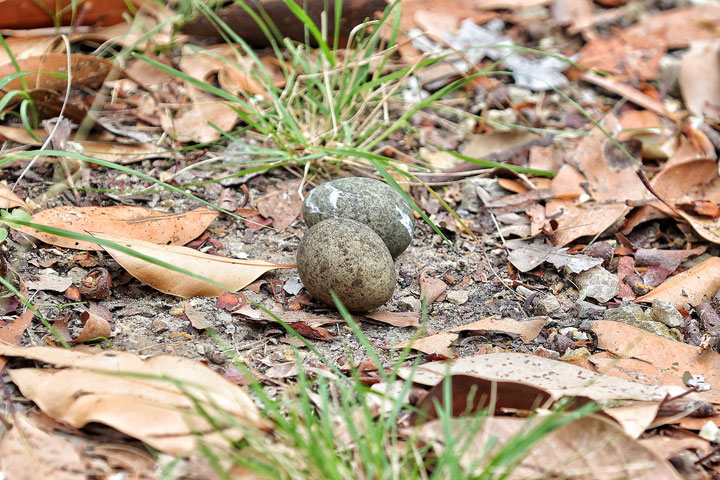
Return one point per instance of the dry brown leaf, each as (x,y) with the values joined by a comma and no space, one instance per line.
(50,456)
(112,151)
(482,145)
(28,46)
(560,379)
(196,318)
(525,329)
(611,182)
(134,222)
(706,227)
(233,274)
(649,128)
(432,289)
(22,14)
(679,182)
(668,447)
(631,93)
(87,71)
(122,153)
(134,461)
(590,447)
(96,323)
(635,417)
(628,56)
(194,123)
(651,359)
(147,74)
(567,184)
(8,199)
(438,344)
(396,319)
(689,288)
(99,388)
(700,75)
(576,14)
(286,23)
(151,25)
(13,332)
(282,202)
(679,26)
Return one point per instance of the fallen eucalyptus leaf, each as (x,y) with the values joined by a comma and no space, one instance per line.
(133,222)
(231,273)
(151,400)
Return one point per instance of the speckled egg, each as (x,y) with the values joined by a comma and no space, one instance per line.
(349,258)
(367,201)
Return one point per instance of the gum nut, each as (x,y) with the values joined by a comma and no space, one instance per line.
(367,201)
(348,258)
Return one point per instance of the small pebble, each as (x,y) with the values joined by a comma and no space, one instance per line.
(409,303)
(598,283)
(524,291)
(549,305)
(160,326)
(663,311)
(458,297)
(365,200)
(634,315)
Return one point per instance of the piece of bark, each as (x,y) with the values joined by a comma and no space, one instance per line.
(708,315)
(354,12)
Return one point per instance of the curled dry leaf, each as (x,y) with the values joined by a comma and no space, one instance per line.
(611,182)
(590,447)
(438,344)
(196,318)
(151,399)
(689,288)
(649,358)
(96,323)
(396,319)
(87,71)
(22,14)
(133,222)
(432,289)
(526,329)
(13,332)
(687,182)
(96,284)
(112,151)
(560,379)
(194,123)
(282,203)
(233,274)
(8,199)
(51,456)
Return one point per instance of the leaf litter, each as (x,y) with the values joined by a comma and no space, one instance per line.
(491,300)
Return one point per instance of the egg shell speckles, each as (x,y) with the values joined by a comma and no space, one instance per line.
(349,258)
(365,200)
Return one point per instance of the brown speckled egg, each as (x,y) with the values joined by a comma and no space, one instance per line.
(349,258)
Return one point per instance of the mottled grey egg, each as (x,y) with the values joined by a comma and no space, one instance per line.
(367,201)
(347,257)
